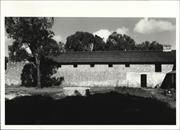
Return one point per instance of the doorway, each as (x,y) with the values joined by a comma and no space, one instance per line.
(143,80)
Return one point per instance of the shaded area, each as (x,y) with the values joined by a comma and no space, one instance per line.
(108,108)
(169,80)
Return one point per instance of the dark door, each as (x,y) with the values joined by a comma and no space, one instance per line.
(143,80)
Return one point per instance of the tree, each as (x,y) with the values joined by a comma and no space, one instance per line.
(17,54)
(149,46)
(99,44)
(155,46)
(36,34)
(144,46)
(80,41)
(120,42)
(47,68)
(61,47)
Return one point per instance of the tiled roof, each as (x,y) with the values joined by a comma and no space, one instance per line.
(116,57)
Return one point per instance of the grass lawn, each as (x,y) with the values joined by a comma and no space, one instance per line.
(15,91)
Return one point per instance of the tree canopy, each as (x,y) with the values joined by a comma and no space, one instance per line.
(149,46)
(80,41)
(99,44)
(120,42)
(35,34)
(16,53)
(84,41)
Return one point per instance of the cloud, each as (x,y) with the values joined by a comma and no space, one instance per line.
(103,33)
(122,30)
(57,38)
(147,26)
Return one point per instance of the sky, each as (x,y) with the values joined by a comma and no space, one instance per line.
(162,30)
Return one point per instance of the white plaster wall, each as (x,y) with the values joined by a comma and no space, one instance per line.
(153,79)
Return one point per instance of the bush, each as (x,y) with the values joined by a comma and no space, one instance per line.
(47,69)
(29,75)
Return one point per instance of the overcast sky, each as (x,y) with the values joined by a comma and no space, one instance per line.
(162,30)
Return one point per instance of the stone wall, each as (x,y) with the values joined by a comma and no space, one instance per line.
(13,73)
(118,75)
(100,75)
(154,79)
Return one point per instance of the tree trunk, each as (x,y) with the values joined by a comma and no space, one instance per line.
(38,71)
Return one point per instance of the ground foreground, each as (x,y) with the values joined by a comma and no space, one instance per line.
(103,106)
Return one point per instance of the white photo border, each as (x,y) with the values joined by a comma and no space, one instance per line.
(159,9)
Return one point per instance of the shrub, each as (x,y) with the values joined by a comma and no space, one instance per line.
(47,69)
(29,75)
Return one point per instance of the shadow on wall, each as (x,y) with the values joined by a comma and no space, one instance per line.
(169,80)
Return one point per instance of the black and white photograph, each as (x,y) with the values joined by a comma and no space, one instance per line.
(90,70)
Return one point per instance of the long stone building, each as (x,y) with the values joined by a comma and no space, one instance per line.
(129,69)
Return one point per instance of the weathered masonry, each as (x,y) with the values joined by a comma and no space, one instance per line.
(127,58)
